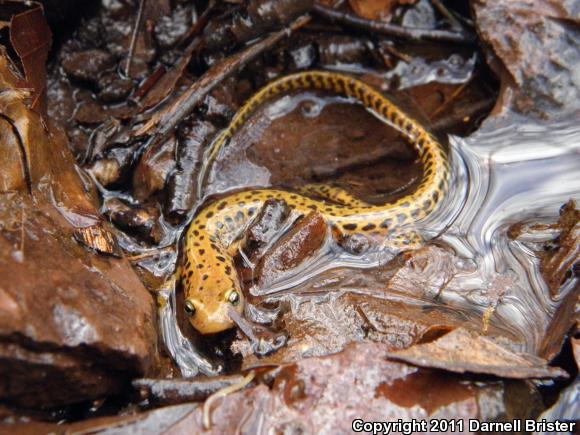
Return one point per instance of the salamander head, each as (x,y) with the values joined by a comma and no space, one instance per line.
(209,297)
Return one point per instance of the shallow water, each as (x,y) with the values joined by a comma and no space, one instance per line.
(510,171)
(502,175)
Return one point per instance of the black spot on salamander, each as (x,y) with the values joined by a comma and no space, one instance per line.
(205,277)
(369,227)
(386,223)
(435,196)
(415,213)
(349,227)
(229,220)
(248,196)
(401,217)
(201,227)
(214,247)
(196,244)
(222,205)
(270,196)
(293,197)
(312,207)
(201,251)
(209,214)
(219,225)
(427,204)
(441,185)
(195,233)
(251,211)
(200,266)
(239,216)
(190,274)
(228,270)
(201,237)
(220,258)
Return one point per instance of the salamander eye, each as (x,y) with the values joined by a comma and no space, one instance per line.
(234,298)
(189,308)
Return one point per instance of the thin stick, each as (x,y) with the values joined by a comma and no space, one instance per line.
(468,112)
(138,22)
(410,33)
(223,393)
(453,96)
(200,24)
(446,13)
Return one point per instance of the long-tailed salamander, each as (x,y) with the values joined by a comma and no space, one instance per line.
(210,282)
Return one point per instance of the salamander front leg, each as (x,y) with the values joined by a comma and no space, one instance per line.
(263,340)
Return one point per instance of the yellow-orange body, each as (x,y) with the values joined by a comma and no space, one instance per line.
(208,275)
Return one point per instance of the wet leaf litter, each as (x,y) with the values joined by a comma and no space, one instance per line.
(136,93)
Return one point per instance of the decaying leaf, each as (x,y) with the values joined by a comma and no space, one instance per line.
(464,351)
(31,38)
(376,9)
(168,81)
(98,238)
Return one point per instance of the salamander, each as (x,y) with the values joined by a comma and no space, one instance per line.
(207,272)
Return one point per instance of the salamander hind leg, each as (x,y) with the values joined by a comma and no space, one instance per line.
(335,194)
(404,240)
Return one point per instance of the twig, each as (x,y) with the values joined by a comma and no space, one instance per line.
(220,394)
(447,14)
(200,24)
(138,22)
(155,252)
(410,33)
(149,83)
(384,45)
(166,120)
(453,96)
(471,110)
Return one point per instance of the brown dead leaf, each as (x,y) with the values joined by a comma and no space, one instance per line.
(31,38)
(376,9)
(167,83)
(463,351)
